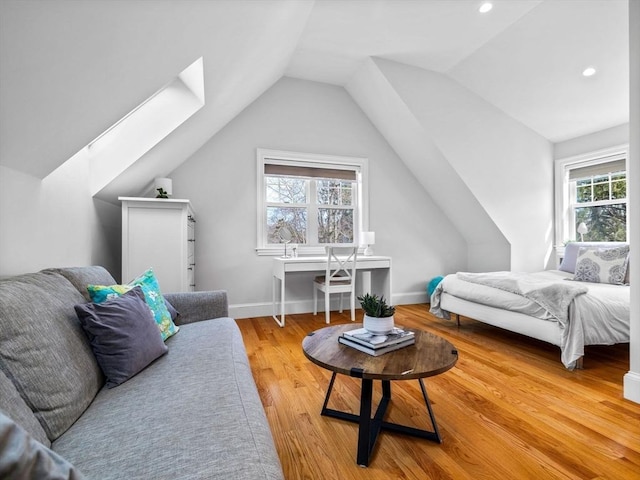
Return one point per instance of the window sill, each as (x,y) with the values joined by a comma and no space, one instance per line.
(279,251)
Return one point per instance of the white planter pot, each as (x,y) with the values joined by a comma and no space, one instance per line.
(378,326)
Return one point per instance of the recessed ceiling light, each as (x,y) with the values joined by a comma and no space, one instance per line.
(485,7)
(589,71)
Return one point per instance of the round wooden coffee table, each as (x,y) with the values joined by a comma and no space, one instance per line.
(430,355)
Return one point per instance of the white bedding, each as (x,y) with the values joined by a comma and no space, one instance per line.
(599,317)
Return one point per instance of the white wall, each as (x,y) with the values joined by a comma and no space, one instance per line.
(303,116)
(487,248)
(55,222)
(632,378)
(611,137)
(505,165)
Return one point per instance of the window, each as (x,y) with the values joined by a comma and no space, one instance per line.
(131,137)
(310,200)
(592,189)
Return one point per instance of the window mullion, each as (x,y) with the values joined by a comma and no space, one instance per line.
(312,213)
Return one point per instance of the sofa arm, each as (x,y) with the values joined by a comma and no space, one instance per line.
(196,306)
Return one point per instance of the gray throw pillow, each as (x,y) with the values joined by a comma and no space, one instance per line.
(123,335)
(23,457)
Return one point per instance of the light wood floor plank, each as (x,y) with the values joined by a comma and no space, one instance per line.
(508,409)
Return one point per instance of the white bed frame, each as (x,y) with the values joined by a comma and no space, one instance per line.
(513,321)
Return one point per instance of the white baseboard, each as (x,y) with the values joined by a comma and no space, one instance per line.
(410,298)
(248,310)
(631,386)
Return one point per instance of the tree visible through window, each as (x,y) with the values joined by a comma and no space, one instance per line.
(287,208)
(601,204)
(335,212)
(310,200)
(598,198)
(291,202)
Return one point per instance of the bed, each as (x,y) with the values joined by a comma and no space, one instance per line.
(584,302)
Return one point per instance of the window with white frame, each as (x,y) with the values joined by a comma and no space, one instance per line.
(592,189)
(309,200)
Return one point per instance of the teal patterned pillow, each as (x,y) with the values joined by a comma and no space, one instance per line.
(602,265)
(152,295)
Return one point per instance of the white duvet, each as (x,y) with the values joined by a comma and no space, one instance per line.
(598,317)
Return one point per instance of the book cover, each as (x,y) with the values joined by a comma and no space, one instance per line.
(379,351)
(374,341)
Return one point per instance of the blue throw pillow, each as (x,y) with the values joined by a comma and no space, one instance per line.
(152,295)
(123,335)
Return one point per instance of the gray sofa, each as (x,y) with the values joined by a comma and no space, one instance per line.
(192,413)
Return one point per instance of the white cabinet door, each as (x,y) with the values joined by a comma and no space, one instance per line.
(159,234)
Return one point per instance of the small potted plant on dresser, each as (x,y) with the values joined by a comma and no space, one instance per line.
(378,316)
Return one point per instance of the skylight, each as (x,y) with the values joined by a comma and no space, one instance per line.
(485,7)
(145,126)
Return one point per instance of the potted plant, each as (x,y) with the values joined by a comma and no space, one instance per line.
(378,316)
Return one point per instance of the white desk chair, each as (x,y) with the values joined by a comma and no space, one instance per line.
(341,279)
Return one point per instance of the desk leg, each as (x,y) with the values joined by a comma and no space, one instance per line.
(365,282)
(378,281)
(279,321)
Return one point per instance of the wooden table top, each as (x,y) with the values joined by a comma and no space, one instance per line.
(430,355)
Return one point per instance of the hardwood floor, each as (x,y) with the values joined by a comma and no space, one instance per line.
(507,410)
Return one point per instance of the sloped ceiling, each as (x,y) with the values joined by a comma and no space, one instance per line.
(526,56)
(71,69)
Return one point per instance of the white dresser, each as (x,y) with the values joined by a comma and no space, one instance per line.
(159,233)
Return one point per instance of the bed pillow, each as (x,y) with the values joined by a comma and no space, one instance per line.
(152,295)
(627,276)
(572,249)
(123,335)
(602,265)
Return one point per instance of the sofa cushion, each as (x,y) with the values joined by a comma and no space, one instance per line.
(22,457)
(152,294)
(194,413)
(12,404)
(123,335)
(44,350)
(80,277)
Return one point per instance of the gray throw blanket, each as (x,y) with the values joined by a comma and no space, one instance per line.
(554,297)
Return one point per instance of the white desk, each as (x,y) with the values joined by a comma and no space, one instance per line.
(378,282)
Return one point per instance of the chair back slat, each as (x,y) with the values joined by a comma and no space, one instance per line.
(344,259)
(340,277)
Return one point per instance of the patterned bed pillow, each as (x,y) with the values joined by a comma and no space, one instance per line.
(152,295)
(572,249)
(602,265)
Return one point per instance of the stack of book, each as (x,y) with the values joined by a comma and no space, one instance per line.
(375,345)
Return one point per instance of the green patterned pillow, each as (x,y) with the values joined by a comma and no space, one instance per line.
(152,295)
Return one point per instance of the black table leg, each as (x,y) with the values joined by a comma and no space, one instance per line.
(369,428)
(435,432)
(365,442)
